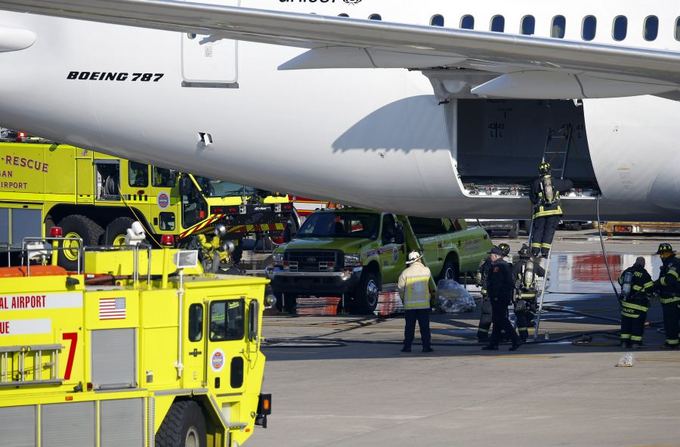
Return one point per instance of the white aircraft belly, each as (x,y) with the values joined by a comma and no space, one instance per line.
(374,138)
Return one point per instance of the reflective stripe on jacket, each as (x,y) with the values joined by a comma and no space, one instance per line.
(414,286)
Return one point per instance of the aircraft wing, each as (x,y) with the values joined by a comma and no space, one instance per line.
(501,64)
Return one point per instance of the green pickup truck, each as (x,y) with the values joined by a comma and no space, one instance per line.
(355,253)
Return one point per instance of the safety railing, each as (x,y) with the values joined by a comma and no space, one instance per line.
(45,247)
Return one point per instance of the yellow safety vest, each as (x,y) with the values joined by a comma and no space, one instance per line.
(417,292)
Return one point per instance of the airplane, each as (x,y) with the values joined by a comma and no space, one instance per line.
(429,108)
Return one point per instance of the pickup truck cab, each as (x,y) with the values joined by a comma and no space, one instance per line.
(355,253)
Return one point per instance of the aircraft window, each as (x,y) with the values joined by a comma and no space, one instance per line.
(620,28)
(467,22)
(343,15)
(589,28)
(559,25)
(677,28)
(528,25)
(437,20)
(498,24)
(374,17)
(651,28)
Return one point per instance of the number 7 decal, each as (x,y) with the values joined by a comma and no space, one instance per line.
(73,338)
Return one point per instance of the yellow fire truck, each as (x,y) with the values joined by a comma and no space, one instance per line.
(139,349)
(96,197)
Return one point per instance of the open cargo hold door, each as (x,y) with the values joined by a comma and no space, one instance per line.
(209,61)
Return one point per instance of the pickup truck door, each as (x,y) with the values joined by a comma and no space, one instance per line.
(447,240)
(431,253)
(392,252)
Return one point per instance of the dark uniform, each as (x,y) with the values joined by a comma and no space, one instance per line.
(485,317)
(525,271)
(545,196)
(637,286)
(668,287)
(500,287)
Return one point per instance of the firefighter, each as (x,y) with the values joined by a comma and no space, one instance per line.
(636,286)
(668,287)
(545,197)
(525,271)
(500,287)
(414,289)
(485,317)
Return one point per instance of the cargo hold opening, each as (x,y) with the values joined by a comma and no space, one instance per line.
(501,142)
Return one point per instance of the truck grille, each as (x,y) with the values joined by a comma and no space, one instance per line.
(313,260)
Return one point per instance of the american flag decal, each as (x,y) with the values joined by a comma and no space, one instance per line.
(112,309)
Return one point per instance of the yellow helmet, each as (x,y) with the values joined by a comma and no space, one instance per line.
(665,248)
(505,248)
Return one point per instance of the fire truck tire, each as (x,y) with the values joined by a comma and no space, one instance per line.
(116,230)
(366,294)
(183,426)
(450,269)
(80,226)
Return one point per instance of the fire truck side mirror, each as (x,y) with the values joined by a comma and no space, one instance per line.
(253,320)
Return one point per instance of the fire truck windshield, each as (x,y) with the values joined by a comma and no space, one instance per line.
(219,188)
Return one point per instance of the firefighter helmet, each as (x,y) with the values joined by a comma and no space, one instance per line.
(525,251)
(505,248)
(413,257)
(665,248)
(544,168)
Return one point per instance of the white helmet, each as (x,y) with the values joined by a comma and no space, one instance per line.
(413,257)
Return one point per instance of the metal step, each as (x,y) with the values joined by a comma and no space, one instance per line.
(556,149)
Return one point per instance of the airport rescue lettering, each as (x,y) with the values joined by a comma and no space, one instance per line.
(22,302)
(22,162)
(114,76)
(4,327)
(65,300)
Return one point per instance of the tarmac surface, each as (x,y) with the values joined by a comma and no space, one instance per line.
(342,380)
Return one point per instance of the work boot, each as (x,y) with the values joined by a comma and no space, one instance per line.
(406,349)
(625,344)
(490,348)
(428,349)
(636,345)
(667,346)
(515,346)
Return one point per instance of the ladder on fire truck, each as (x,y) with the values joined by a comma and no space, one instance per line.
(556,149)
(23,365)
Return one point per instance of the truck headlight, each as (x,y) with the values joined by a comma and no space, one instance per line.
(277,258)
(352,260)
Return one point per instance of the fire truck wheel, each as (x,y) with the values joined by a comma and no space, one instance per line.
(116,231)
(367,293)
(450,270)
(77,226)
(183,426)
